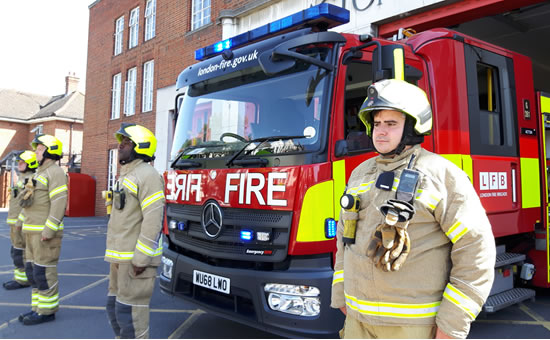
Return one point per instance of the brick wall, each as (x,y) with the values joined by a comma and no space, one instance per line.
(14,137)
(172,49)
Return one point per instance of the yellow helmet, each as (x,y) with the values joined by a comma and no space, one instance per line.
(54,147)
(143,138)
(394,94)
(28,157)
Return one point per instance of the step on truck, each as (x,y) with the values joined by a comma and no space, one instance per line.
(267,135)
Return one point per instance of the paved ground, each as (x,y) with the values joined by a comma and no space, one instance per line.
(83,288)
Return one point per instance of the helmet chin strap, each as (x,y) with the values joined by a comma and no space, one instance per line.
(131,158)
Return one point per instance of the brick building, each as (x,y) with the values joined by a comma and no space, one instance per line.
(22,115)
(136,49)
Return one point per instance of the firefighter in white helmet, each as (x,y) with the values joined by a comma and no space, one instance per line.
(134,247)
(44,200)
(420,261)
(26,164)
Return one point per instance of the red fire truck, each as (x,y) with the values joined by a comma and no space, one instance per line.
(267,135)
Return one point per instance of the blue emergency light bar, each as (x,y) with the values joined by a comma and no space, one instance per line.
(329,14)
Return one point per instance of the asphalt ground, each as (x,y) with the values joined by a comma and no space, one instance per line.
(83,280)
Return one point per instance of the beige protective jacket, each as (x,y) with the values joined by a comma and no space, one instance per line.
(133,233)
(450,269)
(46,213)
(14,208)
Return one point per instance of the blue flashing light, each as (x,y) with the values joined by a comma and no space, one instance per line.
(332,15)
(330,228)
(181,226)
(247,235)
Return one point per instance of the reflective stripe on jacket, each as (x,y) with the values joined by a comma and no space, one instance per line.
(134,231)
(50,195)
(449,271)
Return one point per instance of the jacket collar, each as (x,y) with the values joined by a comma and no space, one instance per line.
(126,168)
(390,164)
(47,163)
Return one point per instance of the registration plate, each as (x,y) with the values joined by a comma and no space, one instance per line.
(211,281)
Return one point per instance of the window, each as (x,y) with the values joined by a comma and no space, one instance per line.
(150,19)
(119,30)
(134,27)
(115,102)
(201,13)
(130,92)
(358,78)
(491,103)
(147,97)
(111,177)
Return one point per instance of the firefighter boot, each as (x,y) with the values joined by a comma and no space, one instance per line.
(36,319)
(22,316)
(11,285)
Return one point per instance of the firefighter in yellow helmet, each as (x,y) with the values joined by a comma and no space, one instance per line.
(134,246)
(44,200)
(415,251)
(26,165)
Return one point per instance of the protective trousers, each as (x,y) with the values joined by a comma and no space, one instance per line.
(355,329)
(41,268)
(18,255)
(128,300)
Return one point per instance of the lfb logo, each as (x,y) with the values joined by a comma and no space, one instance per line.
(493,181)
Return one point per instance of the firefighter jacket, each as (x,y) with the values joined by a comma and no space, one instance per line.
(133,233)
(450,268)
(49,196)
(15,197)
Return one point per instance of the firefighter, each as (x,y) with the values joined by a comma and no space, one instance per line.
(133,233)
(417,259)
(44,200)
(26,165)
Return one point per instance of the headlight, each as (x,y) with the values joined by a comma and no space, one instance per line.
(293,299)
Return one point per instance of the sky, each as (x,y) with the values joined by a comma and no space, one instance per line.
(42,41)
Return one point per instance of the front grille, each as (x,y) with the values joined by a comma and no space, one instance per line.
(228,244)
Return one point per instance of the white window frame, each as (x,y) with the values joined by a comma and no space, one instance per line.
(148,76)
(119,35)
(115,96)
(130,92)
(150,19)
(112,169)
(133,26)
(200,13)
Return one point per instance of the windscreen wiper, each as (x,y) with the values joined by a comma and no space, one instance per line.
(189,163)
(261,140)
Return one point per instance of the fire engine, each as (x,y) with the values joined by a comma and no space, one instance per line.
(267,135)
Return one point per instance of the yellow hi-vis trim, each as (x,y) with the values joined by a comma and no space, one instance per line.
(362,188)
(393,310)
(316,207)
(148,250)
(339,176)
(53,226)
(119,255)
(45,302)
(20,275)
(130,185)
(152,199)
(34,299)
(32,227)
(456,232)
(11,220)
(530,183)
(399,61)
(21,217)
(462,301)
(42,180)
(58,190)
(338,276)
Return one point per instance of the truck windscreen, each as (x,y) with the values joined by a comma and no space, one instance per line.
(219,116)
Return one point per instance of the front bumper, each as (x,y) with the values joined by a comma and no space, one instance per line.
(247,302)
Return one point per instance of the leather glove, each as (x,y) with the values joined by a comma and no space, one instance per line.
(27,194)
